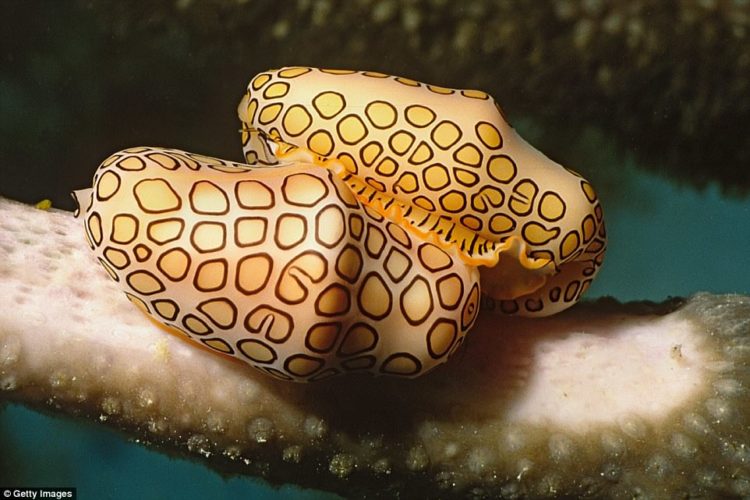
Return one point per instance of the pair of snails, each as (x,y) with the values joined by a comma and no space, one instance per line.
(356,236)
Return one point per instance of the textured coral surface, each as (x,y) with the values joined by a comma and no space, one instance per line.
(603,400)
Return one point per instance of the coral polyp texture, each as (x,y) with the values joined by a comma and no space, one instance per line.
(354,237)
(603,400)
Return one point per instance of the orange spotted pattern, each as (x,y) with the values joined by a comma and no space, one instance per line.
(446,163)
(282,268)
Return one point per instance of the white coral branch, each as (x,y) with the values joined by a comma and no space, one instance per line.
(540,407)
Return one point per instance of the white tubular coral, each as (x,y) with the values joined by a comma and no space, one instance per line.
(604,400)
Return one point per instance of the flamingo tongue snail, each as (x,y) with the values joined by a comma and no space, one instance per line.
(446,164)
(355,237)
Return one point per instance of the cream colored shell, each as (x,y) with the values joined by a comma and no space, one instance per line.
(281,268)
(451,164)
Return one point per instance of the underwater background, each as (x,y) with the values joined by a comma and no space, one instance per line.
(650,100)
